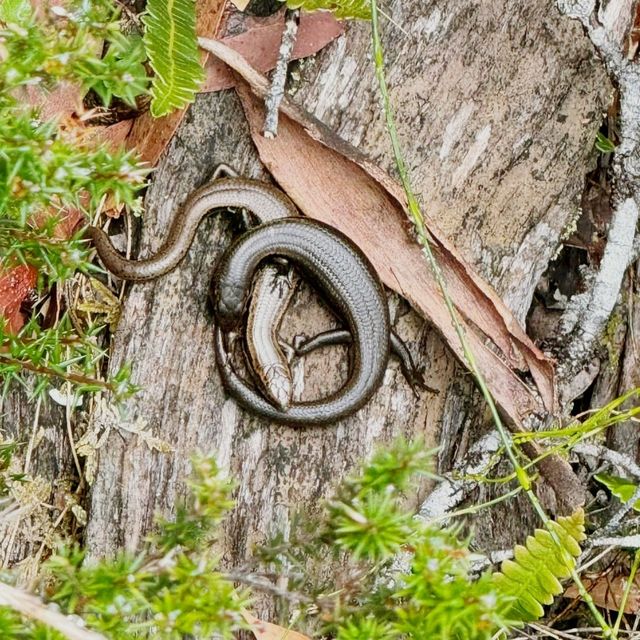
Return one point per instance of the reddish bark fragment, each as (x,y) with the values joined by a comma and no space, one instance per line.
(15,286)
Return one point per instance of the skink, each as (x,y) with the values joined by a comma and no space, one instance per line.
(265,201)
(272,290)
(352,288)
(332,260)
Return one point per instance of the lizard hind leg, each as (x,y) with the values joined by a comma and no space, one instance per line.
(413,374)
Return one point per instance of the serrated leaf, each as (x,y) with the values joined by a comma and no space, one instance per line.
(621,488)
(171,44)
(527,558)
(531,578)
(574,527)
(568,541)
(549,582)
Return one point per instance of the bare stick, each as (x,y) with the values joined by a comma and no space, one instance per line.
(279,77)
(590,311)
(615,458)
(632,542)
(32,607)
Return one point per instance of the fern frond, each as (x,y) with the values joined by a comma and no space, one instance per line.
(170,41)
(532,578)
(341,9)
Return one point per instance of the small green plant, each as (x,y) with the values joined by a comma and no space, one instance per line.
(621,488)
(171,588)
(170,41)
(368,526)
(342,9)
(564,438)
(65,45)
(532,577)
(46,172)
(603,144)
(15,11)
(120,72)
(37,358)
(366,517)
(401,578)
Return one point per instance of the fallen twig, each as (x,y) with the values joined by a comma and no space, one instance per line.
(632,542)
(279,76)
(617,459)
(32,607)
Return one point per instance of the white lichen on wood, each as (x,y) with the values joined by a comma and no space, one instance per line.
(588,314)
(455,128)
(454,488)
(473,155)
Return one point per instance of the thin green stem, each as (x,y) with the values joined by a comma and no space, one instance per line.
(75,378)
(476,508)
(418,220)
(627,591)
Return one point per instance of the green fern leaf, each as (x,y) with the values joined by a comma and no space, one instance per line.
(620,487)
(341,9)
(170,41)
(532,577)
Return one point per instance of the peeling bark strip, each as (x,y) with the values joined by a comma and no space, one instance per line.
(368,206)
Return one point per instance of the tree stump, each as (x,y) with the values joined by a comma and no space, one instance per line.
(497,105)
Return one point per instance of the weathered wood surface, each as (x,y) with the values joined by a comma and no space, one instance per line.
(497,105)
(48,462)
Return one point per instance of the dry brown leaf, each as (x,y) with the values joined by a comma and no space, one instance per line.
(62,102)
(15,285)
(268,631)
(114,135)
(608,592)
